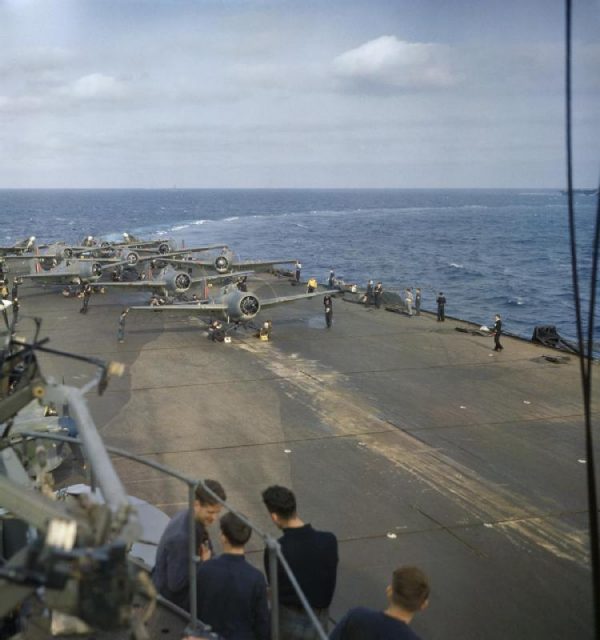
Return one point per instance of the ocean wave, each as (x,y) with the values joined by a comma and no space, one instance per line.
(539,193)
(402,237)
(459,272)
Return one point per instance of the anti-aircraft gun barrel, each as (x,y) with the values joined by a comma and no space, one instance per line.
(109,482)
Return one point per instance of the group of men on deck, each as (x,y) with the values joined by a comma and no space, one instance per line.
(232,594)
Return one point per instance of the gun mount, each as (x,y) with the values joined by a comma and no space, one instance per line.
(69,550)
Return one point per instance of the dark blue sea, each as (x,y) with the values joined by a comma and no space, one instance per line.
(489,251)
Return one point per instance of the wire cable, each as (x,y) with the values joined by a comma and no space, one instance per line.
(585,351)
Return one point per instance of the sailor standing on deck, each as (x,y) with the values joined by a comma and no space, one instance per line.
(328,304)
(369,294)
(87,292)
(408,594)
(377,293)
(418,301)
(408,298)
(441,304)
(15,300)
(297,274)
(312,556)
(497,333)
(15,289)
(171,571)
(331,279)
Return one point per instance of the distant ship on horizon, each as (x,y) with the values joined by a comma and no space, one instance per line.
(582,192)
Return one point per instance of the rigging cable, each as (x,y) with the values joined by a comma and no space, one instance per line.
(585,351)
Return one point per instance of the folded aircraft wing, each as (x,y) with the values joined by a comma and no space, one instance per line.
(200,308)
(271,302)
(232,275)
(207,247)
(253,264)
(51,276)
(138,284)
(208,264)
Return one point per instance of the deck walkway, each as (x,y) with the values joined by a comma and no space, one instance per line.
(413,442)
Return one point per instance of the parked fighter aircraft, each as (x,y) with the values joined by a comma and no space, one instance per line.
(77,271)
(225,262)
(63,269)
(93,247)
(235,307)
(19,248)
(50,255)
(170,282)
(132,255)
(164,245)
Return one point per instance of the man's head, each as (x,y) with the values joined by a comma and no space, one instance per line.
(280,503)
(206,507)
(409,589)
(497,317)
(235,532)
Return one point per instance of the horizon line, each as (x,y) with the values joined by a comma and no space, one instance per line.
(175,188)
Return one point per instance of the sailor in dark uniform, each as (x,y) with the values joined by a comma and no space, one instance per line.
(497,333)
(121,328)
(328,304)
(216,332)
(87,292)
(15,301)
(441,304)
(242,284)
(15,289)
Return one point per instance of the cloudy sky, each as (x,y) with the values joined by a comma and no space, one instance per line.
(294,93)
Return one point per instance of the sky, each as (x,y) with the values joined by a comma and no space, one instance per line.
(295,93)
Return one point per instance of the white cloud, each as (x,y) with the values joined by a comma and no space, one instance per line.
(96,86)
(20,105)
(34,61)
(389,63)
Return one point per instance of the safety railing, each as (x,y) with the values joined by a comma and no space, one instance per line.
(273,548)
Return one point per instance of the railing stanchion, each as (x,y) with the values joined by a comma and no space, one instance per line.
(193,547)
(273,568)
(273,549)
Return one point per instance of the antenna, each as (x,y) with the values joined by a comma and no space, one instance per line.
(585,352)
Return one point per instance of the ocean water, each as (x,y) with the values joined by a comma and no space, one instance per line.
(489,251)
